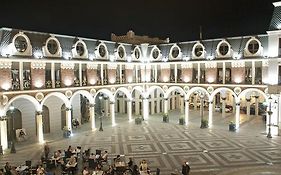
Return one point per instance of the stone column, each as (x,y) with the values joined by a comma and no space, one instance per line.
(166,105)
(173,101)
(68,119)
(137,103)
(223,106)
(210,113)
(152,107)
(256,105)
(201,107)
(237,115)
(248,103)
(169,104)
(158,102)
(21,75)
(145,106)
(92,116)
(129,110)
(182,104)
(53,78)
(112,113)
(39,125)
(106,108)
(4,138)
(195,102)
(186,112)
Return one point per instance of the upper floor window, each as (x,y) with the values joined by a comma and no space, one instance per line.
(80,49)
(175,52)
(102,51)
(253,47)
(121,52)
(52,46)
(198,50)
(155,53)
(137,53)
(223,49)
(20,44)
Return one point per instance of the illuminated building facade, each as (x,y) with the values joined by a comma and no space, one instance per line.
(49,79)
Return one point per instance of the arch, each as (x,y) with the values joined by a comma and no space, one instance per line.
(60,96)
(125,91)
(192,90)
(139,89)
(245,91)
(27,97)
(152,88)
(105,91)
(85,93)
(173,88)
(223,89)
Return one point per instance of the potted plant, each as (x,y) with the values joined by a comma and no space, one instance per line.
(66,132)
(181,121)
(204,124)
(232,126)
(166,118)
(138,120)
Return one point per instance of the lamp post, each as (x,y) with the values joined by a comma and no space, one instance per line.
(102,114)
(269,118)
(13,149)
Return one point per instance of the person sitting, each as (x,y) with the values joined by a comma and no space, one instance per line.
(98,167)
(135,170)
(40,170)
(144,166)
(8,168)
(92,156)
(130,163)
(72,160)
(85,171)
(75,123)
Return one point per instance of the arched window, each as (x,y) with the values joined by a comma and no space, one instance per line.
(155,53)
(175,52)
(253,46)
(121,52)
(198,51)
(80,49)
(102,51)
(223,49)
(137,53)
(52,46)
(20,44)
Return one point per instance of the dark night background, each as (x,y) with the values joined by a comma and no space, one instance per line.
(177,19)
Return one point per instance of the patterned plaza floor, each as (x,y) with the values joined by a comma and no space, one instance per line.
(166,145)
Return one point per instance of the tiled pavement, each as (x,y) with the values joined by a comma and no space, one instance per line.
(167,145)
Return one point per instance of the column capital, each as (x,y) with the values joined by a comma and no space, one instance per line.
(187,100)
(256,96)
(248,99)
(210,102)
(223,98)
(38,112)
(182,96)
(92,105)
(237,104)
(165,98)
(3,118)
(68,109)
(112,102)
(129,100)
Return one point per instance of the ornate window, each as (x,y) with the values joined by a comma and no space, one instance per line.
(136,54)
(253,47)
(198,51)
(102,51)
(20,44)
(121,52)
(175,52)
(80,49)
(155,53)
(52,46)
(223,49)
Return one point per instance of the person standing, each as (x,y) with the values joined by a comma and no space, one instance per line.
(185,168)
(46,150)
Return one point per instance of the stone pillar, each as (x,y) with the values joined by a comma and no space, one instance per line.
(186,112)
(21,75)
(137,103)
(39,125)
(201,107)
(152,108)
(169,104)
(166,105)
(145,106)
(68,119)
(53,78)
(210,113)
(106,108)
(248,103)
(223,106)
(256,105)
(129,110)
(173,101)
(4,138)
(158,102)
(112,113)
(237,115)
(92,116)
(182,104)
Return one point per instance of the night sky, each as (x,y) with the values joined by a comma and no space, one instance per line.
(177,19)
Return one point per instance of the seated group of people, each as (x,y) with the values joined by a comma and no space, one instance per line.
(12,170)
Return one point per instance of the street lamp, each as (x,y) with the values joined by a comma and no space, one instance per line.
(13,149)
(102,114)
(269,118)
